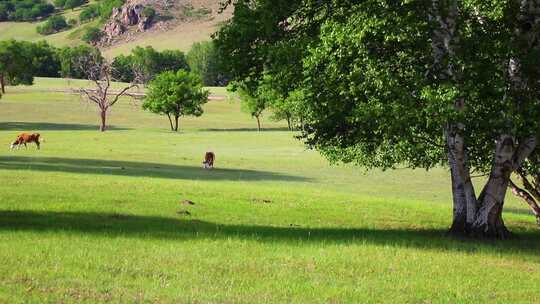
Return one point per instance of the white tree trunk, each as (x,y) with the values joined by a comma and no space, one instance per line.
(444,15)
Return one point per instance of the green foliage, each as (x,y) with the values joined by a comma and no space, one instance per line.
(253,103)
(106,7)
(16,62)
(24,10)
(176,94)
(149,12)
(92,35)
(53,25)
(90,12)
(71,4)
(246,41)
(122,68)
(20,61)
(74,59)
(146,63)
(102,9)
(365,90)
(45,60)
(59,3)
(204,60)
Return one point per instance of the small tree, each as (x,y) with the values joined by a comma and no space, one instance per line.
(203,59)
(99,72)
(15,63)
(176,94)
(92,35)
(252,103)
(53,25)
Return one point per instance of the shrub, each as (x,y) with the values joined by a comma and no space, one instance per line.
(149,12)
(59,3)
(92,35)
(24,10)
(106,7)
(72,22)
(53,25)
(71,4)
(88,13)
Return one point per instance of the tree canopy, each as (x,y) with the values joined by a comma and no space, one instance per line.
(145,63)
(176,94)
(404,83)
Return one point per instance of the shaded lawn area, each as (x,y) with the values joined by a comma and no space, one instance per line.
(155,227)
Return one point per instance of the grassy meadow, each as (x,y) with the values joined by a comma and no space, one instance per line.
(98,217)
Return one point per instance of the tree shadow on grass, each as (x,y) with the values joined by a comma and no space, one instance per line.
(518,211)
(46,126)
(171,228)
(139,169)
(247,130)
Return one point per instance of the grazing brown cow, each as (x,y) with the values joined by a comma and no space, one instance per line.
(26,138)
(209,158)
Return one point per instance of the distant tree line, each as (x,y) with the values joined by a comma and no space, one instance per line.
(20,61)
(24,10)
(69,4)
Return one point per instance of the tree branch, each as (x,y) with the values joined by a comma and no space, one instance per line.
(117,96)
(523,151)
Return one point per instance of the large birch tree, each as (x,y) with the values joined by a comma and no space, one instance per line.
(417,83)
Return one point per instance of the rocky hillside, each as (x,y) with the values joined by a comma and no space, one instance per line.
(175,24)
(140,22)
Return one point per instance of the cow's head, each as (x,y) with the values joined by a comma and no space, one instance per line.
(14,145)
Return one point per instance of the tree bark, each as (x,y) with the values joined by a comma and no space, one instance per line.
(103,126)
(2,83)
(289,122)
(489,222)
(170,121)
(444,15)
(176,118)
(464,196)
(528,198)
(258,123)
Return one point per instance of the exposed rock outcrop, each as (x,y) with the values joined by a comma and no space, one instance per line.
(129,15)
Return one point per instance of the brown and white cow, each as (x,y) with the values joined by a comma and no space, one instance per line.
(209,158)
(26,138)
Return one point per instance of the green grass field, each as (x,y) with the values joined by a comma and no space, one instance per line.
(97,217)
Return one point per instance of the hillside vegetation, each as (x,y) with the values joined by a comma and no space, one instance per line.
(179,32)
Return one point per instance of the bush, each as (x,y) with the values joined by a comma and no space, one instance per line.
(106,7)
(149,12)
(53,25)
(24,10)
(72,22)
(71,4)
(92,35)
(88,13)
(59,3)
